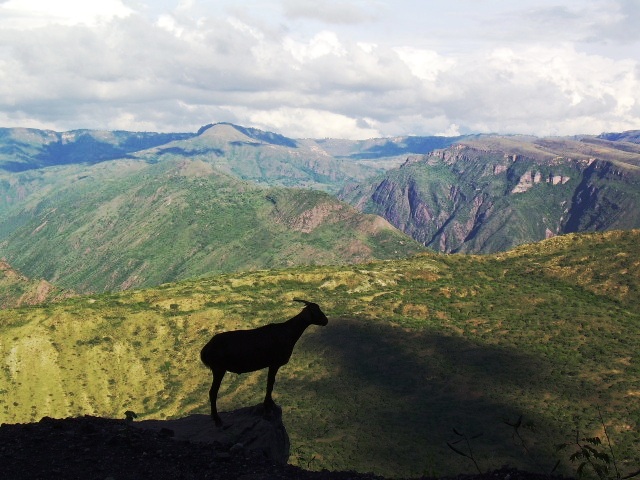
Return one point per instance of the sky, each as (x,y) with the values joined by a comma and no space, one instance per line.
(352,69)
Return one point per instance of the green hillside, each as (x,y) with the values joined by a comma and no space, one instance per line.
(125,224)
(414,348)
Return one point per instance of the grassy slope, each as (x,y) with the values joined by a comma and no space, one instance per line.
(413,349)
(144,225)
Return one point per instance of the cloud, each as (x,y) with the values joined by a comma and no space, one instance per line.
(299,122)
(586,22)
(175,70)
(619,26)
(544,91)
(38,13)
(322,44)
(425,64)
(332,11)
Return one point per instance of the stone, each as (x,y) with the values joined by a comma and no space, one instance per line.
(249,426)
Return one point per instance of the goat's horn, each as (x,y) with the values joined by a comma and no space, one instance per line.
(301,301)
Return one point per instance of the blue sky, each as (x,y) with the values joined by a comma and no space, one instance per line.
(323,68)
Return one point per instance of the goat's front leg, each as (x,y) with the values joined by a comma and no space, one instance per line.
(218,375)
(271,378)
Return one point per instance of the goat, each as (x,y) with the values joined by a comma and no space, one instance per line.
(242,351)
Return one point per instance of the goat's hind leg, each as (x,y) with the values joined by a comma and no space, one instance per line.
(218,375)
(269,404)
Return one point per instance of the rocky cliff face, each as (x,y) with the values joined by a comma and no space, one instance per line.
(607,197)
(486,197)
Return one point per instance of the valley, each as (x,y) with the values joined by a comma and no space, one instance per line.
(118,210)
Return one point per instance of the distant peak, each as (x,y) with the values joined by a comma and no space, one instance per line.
(231,131)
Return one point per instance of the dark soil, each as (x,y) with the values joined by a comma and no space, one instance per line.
(97,448)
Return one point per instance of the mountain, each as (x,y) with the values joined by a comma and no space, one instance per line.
(174,205)
(262,157)
(376,148)
(414,348)
(490,193)
(266,158)
(631,136)
(26,148)
(124,224)
(249,154)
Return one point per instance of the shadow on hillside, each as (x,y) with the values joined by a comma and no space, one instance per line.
(397,395)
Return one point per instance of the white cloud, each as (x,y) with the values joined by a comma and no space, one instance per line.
(332,11)
(452,130)
(106,65)
(38,13)
(169,23)
(308,123)
(425,64)
(323,43)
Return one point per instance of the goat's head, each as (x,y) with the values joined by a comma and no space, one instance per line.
(316,316)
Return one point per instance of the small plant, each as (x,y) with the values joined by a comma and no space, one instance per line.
(304,458)
(588,451)
(467,442)
(591,454)
(130,415)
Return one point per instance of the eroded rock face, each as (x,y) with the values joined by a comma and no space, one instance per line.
(491,194)
(246,428)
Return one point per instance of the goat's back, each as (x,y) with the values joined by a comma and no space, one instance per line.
(242,351)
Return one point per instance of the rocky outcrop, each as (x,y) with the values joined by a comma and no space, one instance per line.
(246,429)
(531,178)
(17,290)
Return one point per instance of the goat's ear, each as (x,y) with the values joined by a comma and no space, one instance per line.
(302,301)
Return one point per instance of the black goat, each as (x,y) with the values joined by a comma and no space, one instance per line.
(242,351)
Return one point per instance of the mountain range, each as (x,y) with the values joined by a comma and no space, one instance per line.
(97,210)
